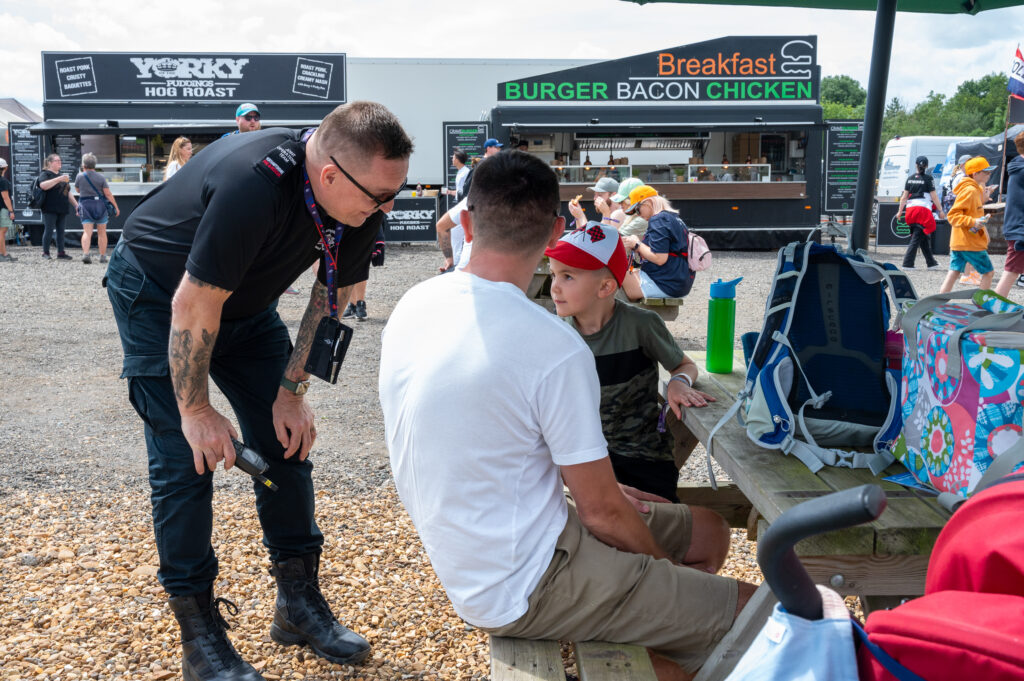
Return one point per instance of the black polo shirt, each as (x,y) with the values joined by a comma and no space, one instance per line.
(920,185)
(237,226)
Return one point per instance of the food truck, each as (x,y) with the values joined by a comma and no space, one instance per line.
(729,130)
(128,108)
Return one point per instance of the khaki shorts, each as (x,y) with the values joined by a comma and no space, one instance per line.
(593,592)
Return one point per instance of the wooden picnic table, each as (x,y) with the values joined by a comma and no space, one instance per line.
(881,562)
(885,558)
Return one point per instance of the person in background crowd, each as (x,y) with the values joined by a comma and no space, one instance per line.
(460,159)
(919,198)
(491,147)
(629,225)
(227,238)
(524,145)
(451,238)
(358,308)
(968,241)
(93,194)
(247,117)
(516,555)
(665,273)
(57,203)
(6,221)
(1013,220)
(181,152)
(603,204)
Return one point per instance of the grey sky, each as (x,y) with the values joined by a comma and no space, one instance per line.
(931,52)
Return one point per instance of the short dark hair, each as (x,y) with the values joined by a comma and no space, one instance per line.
(514,202)
(461,156)
(364,130)
(1018,141)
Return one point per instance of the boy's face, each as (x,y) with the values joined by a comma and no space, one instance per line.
(575,291)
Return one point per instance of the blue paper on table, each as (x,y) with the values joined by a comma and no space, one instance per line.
(908,480)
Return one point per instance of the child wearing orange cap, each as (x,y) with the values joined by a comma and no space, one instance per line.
(968,241)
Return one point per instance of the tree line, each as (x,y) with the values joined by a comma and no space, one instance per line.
(977,108)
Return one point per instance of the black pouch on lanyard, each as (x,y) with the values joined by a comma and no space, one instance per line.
(328,351)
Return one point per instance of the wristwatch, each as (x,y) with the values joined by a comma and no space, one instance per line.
(299,388)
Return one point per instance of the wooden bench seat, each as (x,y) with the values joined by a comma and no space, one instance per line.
(516,659)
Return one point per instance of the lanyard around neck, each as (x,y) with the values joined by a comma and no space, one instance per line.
(331,241)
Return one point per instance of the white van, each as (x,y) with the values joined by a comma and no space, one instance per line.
(898,162)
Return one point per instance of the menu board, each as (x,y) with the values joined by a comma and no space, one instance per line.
(469,137)
(842,157)
(69,148)
(26,164)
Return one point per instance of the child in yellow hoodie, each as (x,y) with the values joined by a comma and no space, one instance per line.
(969,239)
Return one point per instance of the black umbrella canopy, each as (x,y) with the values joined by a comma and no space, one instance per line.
(927,6)
(881,52)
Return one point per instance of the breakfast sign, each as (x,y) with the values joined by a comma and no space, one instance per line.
(762,69)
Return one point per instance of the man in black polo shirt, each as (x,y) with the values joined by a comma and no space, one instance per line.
(193,284)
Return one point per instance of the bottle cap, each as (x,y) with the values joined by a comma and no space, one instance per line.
(724,289)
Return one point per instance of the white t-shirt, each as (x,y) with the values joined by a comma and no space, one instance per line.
(460,178)
(458,234)
(467,250)
(485,394)
(172,167)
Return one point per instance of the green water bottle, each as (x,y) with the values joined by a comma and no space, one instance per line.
(721,326)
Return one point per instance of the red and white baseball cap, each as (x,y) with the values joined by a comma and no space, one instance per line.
(591,248)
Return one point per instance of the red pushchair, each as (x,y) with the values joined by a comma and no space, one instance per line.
(968,625)
(970,622)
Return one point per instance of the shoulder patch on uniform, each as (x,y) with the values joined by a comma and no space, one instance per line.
(281,160)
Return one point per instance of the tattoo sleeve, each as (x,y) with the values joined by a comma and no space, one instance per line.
(444,242)
(190,365)
(194,331)
(315,311)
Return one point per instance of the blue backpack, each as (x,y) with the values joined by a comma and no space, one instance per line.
(818,379)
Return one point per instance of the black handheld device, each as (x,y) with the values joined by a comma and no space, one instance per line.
(252,463)
(328,349)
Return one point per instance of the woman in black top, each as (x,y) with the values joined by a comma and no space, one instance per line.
(57,203)
(919,200)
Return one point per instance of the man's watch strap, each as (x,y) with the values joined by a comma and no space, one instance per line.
(298,388)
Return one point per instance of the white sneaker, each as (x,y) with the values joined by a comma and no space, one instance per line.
(936,266)
(908,267)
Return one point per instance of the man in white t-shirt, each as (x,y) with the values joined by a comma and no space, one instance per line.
(490,404)
(451,238)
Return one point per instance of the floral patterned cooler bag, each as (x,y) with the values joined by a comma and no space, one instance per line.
(962,387)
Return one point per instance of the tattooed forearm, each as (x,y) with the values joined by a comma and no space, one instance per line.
(202,284)
(444,242)
(315,311)
(190,365)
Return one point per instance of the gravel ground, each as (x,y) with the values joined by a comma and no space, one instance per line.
(78,593)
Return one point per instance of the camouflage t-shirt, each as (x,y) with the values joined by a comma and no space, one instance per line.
(627,351)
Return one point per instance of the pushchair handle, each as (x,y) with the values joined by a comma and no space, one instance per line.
(783,571)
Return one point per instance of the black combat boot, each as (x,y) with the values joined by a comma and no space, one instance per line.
(302,615)
(206,652)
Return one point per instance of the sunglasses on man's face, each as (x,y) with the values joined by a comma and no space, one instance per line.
(251,117)
(379,201)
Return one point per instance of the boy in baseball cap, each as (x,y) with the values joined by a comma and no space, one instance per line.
(968,240)
(587,268)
